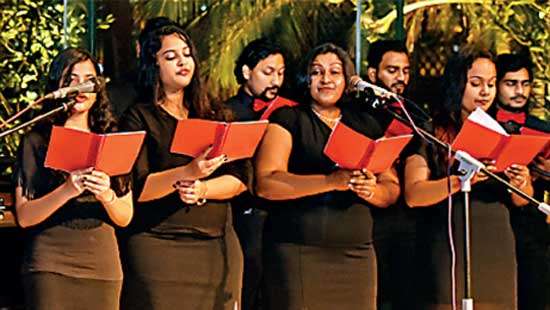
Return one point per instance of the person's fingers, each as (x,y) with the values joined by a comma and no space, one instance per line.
(368,174)
(95,187)
(361,189)
(95,179)
(205,152)
(82,171)
(214,162)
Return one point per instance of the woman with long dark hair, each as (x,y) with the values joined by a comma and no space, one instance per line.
(71,258)
(469,82)
(318,238)
(181,250)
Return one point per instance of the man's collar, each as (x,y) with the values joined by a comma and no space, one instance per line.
(244,97)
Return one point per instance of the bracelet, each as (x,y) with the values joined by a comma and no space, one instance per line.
(370,195)
(110,201)
(522,185)
(202,200)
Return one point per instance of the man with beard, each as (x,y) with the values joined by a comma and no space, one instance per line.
(514,82)
(260,71)
(395,226)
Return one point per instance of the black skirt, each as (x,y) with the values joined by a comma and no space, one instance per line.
(48,290)
(165,272)
(299,277)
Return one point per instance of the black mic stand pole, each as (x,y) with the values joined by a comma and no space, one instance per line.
(468,166)
(64,107)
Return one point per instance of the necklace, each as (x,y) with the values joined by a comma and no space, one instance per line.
(330,121)
(178,114)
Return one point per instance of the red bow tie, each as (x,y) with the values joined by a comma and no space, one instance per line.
(259,104)
(504,116)
(271,106)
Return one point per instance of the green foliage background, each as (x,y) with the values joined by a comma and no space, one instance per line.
(31,34)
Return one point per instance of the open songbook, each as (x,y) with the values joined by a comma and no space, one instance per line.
(533,132)
(352,150)
(237,140)
(113,153)
(483,138)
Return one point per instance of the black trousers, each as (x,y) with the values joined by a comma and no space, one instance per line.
(531,233)
(249,226)
(396,247)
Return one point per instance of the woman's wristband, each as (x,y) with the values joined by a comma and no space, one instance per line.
(110,201)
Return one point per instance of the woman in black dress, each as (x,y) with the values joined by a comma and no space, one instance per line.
(181,251)
(469,82)
(71,258)
(318,252)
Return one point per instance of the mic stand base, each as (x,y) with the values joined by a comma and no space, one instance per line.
(467,304)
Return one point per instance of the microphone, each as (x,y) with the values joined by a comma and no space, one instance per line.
(358,84)
(90,86)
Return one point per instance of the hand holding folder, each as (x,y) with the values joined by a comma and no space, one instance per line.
(113,153)
(352,150)
(483,138)
(236,140)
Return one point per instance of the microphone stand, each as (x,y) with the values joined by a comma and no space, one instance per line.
(18,114)
(468,166)
(543,207)
(64,107)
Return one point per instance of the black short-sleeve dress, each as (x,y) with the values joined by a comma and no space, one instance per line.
(318,250)
(493,263)
(177,256)
(71,260)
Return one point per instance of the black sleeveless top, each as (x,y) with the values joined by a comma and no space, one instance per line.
(169,215)
(336,218)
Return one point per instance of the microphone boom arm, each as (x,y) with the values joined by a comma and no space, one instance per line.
(64,107)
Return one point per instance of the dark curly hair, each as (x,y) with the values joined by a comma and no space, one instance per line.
(303,79)
(101,118)
(252,54)
(447,115)
(512,63)
(378,49)
(151,86)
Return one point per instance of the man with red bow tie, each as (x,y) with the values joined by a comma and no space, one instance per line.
(514,82)
(260,71)
(395,233)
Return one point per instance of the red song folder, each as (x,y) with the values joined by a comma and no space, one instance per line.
(397,128)
(237,140)
(482,137)
(113,153)
(352,150)
(533,132)
(273,105)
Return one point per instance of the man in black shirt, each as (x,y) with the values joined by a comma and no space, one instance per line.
(395,226)
(260,72)
(514,82)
